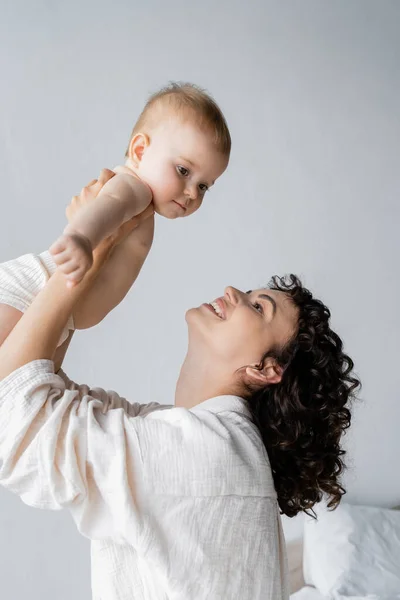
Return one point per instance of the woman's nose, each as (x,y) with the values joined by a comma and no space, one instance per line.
(232,294)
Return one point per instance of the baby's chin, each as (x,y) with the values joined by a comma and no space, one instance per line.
(169,209)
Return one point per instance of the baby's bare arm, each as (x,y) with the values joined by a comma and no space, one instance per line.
(113,282)
(122,197)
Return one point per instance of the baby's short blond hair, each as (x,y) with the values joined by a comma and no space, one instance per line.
(189,102)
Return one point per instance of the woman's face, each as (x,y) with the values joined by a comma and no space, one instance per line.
(238,328)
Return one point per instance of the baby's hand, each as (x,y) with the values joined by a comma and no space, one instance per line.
(73,254)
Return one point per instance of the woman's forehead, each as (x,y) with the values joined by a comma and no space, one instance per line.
(284,304)
(276,294)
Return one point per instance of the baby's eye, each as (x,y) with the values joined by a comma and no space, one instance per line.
(182,171)
(203,187)
(258,307)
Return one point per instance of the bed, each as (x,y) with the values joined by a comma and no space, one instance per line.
(351,553)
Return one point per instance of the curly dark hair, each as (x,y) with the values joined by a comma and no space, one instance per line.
(302,418)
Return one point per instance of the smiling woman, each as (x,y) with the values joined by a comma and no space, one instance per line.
(238,328)
(275,348)
(168,494)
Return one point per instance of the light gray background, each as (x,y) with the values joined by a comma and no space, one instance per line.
(311,92)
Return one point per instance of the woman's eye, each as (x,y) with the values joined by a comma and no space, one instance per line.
(203,187)
(258,307)
(182,171)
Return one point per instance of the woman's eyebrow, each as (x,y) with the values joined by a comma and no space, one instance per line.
(266,297)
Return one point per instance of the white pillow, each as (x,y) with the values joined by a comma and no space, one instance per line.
(353,550)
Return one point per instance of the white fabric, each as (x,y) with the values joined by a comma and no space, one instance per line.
(21,279)
(353,551)
(336,596)
(205,524)
(307,593)
(310,593)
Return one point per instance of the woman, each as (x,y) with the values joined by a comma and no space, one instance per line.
(183,502)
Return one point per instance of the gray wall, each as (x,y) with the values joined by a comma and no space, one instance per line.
(311,92)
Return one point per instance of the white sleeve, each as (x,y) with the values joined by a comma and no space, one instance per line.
(21,280)
(66,446)
(111,399)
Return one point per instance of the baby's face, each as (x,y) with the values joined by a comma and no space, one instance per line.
(180,164)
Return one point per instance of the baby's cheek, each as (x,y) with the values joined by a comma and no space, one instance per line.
(195,206)
(167,188)
(150,172)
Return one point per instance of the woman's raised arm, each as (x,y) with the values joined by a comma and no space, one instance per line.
(37,332)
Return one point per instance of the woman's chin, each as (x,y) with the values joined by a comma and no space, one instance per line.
(196,318)
(190,315)
(201,320)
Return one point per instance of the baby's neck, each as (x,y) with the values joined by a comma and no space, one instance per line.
(130,165)
(128,168)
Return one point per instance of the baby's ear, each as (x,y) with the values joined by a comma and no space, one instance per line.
(137,146)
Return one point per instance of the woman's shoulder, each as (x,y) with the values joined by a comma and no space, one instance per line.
(204,452)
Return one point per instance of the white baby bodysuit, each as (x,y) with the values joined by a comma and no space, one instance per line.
(21,279)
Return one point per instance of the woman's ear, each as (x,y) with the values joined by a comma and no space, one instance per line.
(137,146)
(269,374)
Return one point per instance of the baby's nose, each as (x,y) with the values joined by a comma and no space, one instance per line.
(191,193)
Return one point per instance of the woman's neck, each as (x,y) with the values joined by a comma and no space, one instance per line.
(199,380)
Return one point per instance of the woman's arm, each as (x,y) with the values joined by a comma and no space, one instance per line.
(9,317)
(61,351)
(36,334)
(64,445)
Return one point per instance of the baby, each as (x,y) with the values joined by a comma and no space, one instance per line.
(179,147)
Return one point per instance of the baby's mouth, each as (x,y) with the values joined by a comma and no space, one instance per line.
(179,204)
